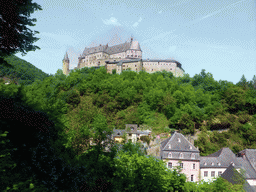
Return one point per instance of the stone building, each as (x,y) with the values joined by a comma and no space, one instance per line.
(122,57)
(177,148)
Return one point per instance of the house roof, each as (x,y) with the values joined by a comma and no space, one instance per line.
(118,132)
(224,156)
(233,176)
(250,155)
(178,143)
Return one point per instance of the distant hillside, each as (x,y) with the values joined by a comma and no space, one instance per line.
(20,71)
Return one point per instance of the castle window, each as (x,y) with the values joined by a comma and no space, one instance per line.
(219,173)
(193,156)
(169,146)
(212,164)
(205,173)
(218,164)
(179,140)
(194,166)
(170,165)
(135,65)
(190,147)
(152,70)
(192,177)
(212,173)
(181,155)
(205,163)
(170,155)
(181,165)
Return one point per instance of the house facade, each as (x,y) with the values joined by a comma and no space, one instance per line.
(177,149)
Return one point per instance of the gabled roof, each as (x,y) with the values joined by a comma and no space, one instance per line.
(250,155)
(66,56)
(224,156)
(118,132)
(178,143)
(113,49)
(233,176)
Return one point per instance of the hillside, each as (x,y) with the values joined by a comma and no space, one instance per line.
(20,71)
(59,116)
(158,100)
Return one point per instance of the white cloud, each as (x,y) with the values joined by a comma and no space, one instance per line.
(111,21)
(137,22)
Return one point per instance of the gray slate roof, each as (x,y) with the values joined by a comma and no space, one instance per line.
(118,132)
(250,155)
(224,156)
(230,174)
(66,56)
(113,49)
(184,147)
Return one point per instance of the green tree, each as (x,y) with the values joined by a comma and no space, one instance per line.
(14,33)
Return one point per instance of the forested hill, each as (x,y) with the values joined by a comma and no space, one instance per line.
(158,100)
(20,71)
(46,126)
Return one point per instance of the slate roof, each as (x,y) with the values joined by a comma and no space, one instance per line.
(66,56)
(250,155)
(179,144)
(118,132)
(120,62)
(113,49)
(224,156)
(229,175)
(131,128)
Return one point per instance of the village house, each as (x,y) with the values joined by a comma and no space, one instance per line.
(132,131)
(177,148)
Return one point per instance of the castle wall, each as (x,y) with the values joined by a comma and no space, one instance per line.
(134,66)
(152,67)
(111,67)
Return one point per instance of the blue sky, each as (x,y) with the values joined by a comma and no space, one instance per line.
(218,36)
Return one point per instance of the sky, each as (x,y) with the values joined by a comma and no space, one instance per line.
(218,36)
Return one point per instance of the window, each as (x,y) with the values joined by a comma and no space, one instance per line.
(181,165)
(179,140)
(213,174)
(218,164)
(205,173)
(151,69)
(205,163)
(192,177)
(219,173)
(130,134)
(190,147)
(181,155)
(170,165)
(170,155)
(131,55)
(212,164)
(169,146)
(135,65)
(118,133)
(194,166)
(192,156)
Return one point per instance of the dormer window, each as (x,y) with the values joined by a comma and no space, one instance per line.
(179,140)
(170,155)
(190,147)
(212,164)
(192,156)
(181,155)
(132,128)
(218,164)
(169,146)
(205,163)
(118,133)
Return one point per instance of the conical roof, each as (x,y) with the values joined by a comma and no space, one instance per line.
(135,45)
(66,56)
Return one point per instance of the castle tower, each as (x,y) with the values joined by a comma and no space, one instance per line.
(66,64)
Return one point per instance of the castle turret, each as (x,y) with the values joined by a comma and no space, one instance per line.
(66,64)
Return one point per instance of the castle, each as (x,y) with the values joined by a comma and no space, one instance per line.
(125,56)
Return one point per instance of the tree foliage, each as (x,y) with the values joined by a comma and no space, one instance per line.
(14,32)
